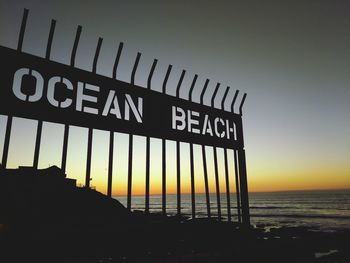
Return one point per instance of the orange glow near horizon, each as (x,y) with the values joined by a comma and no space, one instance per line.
(266,172)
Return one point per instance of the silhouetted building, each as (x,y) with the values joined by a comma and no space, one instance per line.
(52,176)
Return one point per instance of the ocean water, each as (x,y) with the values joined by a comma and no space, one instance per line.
(326,210)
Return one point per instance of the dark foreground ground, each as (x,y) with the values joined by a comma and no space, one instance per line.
(68,224)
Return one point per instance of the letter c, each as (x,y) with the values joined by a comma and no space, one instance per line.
(216,122)
(51,92)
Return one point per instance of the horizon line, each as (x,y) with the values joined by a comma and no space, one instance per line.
(276,191)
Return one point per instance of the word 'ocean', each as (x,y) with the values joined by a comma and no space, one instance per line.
(29,86)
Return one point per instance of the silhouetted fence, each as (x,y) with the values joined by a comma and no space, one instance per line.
(64,94)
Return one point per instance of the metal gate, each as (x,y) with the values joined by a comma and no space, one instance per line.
(44,90)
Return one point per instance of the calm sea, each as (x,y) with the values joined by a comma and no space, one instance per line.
(327,210)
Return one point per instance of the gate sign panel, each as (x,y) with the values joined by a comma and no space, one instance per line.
(36,88)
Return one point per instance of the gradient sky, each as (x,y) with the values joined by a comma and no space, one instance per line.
(291,57)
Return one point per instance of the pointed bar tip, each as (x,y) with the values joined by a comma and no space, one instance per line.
(204,90)
(179,83)
(224,98)
(150,75)
(165,81)
(234,101)
(190,96)
(137,60)
(214,94)
(242,102)
(23,29)
(116,62)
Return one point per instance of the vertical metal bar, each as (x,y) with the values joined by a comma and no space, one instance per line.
(164,176)
(137,60)
(22,30)
(242,102)
(178,177)
(217,183)
(178,153)
(243,169)
(149,80)
(193,194)
(116,62)
(216,161)
(111,133)
(193,189)
(179,83)
(66,126)
(147,174)
(206,184)
(244,187)
(234,101)
(7,141)
(49,42)
(110,163)
(192,87)
(65,148)
(224,98)
(237,176)
(214,94)
(97,53)
(130,171)
(227,187)
(148,152)
(133,73)
(9,118)
(75,46)
(166,79)
(37,144)
(40,122)
(204,90)
(164,149)
(89,151)
(237,188)
(88,159)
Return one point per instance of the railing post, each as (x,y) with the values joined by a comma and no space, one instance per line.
(206,183)
(163,176)
(227,187)
(243,169)
(128,205)
(7,141)
(193,193)
(178,178)
(243,187)
(217,183)
(147,174)
(66,126)
(148,152)
(238,195)
(110,163)
(88,159)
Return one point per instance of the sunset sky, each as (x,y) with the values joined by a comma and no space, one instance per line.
(292,58)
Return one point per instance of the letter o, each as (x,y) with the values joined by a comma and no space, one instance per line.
(17,84)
